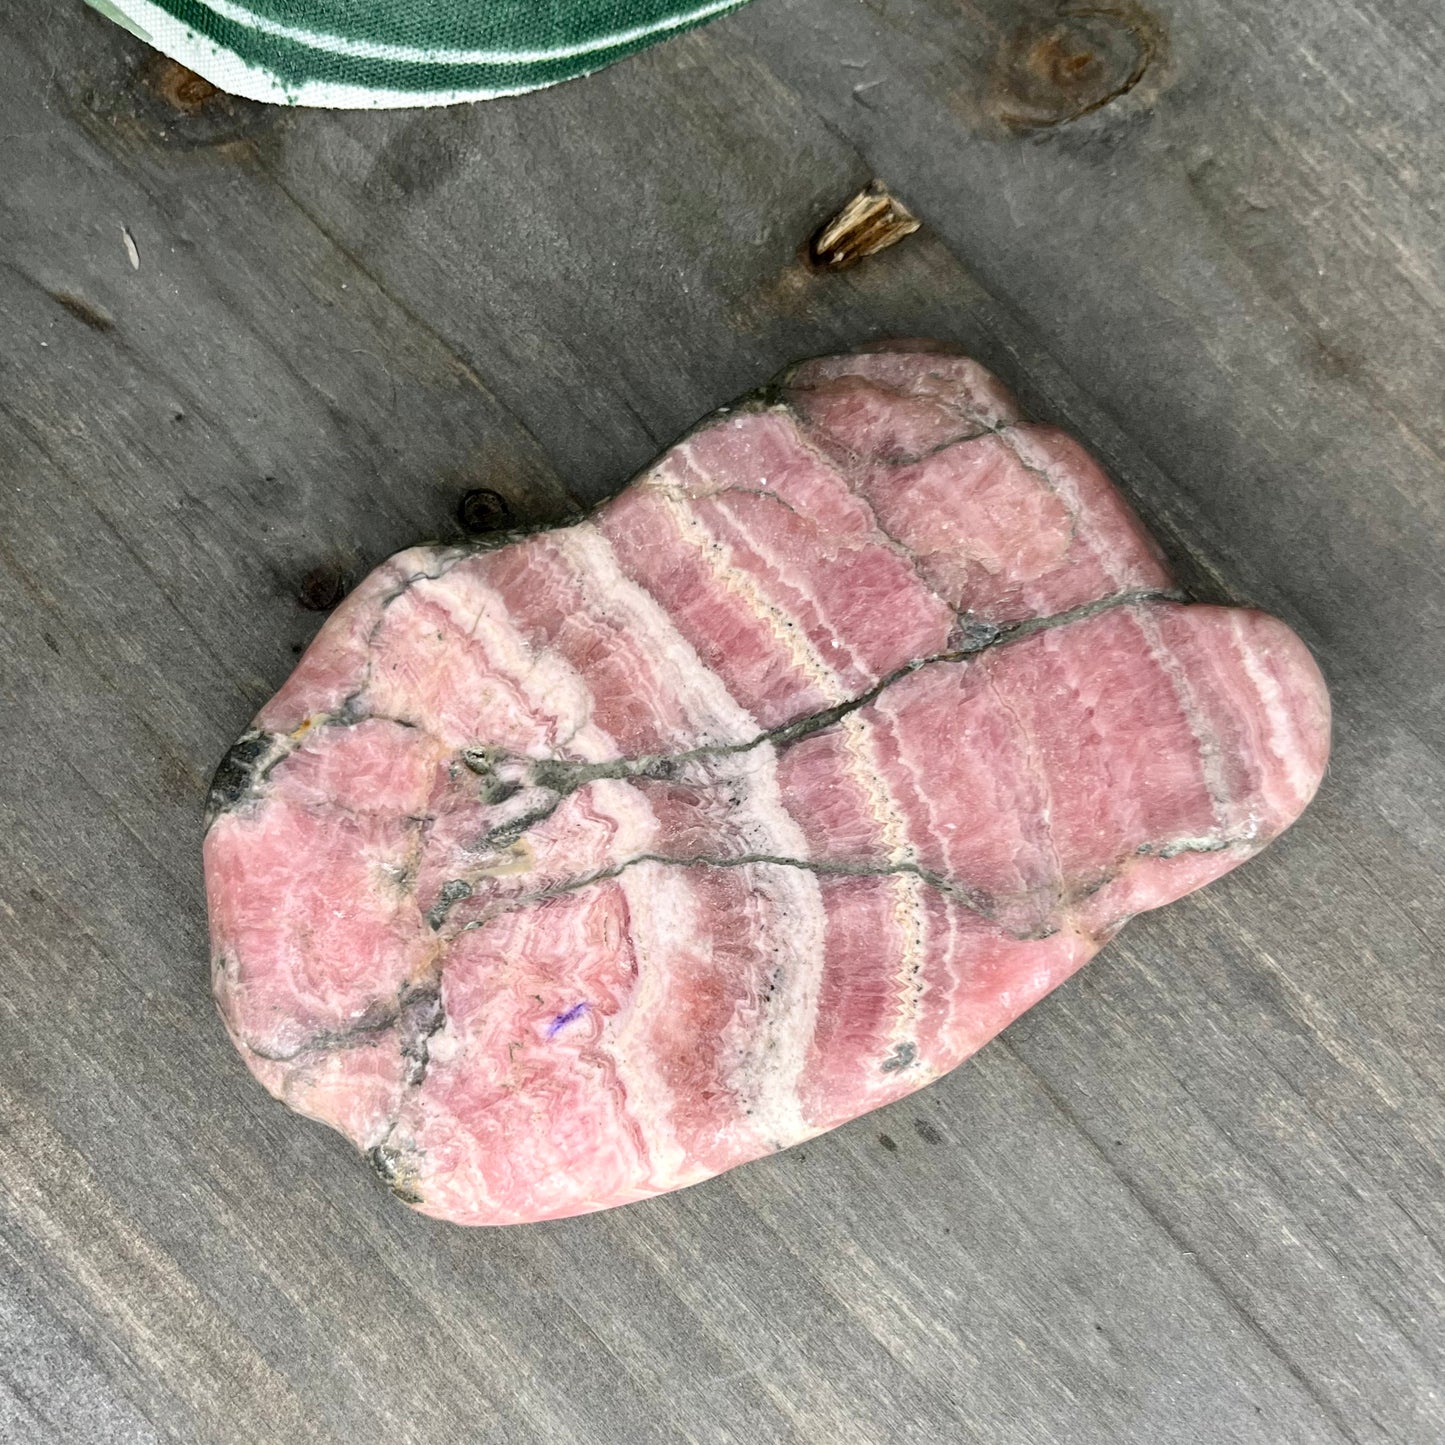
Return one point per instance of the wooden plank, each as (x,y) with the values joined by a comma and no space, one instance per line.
(1277,277)
(1196,1195)
(51,1388)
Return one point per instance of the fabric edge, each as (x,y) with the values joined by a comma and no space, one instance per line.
(235,75)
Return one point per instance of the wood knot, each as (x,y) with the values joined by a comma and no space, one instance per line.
(176,107)
(179,88)
(321,588)
(1051,72)
(483,510)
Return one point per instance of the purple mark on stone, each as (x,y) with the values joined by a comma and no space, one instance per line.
(562,1020)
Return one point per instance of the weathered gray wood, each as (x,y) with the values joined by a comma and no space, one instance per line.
(1197,1195)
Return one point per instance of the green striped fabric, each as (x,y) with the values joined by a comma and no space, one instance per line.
(357,53)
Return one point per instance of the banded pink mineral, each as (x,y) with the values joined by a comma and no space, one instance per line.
(575,869)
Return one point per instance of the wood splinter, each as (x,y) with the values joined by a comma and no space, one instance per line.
(871,222)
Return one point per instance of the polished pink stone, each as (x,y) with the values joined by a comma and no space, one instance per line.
(584,867)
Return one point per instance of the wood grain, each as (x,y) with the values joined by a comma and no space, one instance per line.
(1196,1196)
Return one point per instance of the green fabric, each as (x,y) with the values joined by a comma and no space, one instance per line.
(401,52)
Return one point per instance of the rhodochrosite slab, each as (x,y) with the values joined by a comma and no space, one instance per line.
(584,867)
